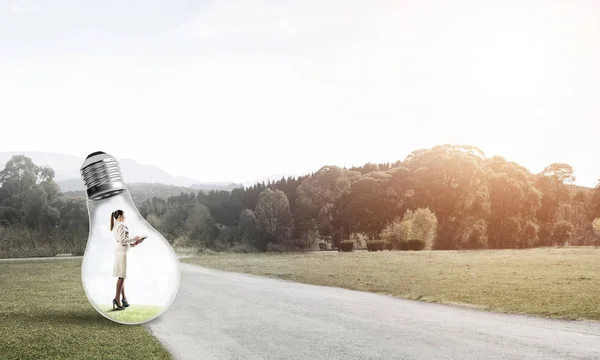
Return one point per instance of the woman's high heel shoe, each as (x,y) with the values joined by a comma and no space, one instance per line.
(125,303)
(116,305)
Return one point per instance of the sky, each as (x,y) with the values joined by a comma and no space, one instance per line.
(225,90)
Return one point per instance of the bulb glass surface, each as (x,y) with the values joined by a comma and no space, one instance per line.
(153,276)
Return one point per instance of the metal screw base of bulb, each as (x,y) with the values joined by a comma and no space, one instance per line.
(102,176)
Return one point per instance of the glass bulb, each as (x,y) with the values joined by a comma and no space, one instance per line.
(152,274)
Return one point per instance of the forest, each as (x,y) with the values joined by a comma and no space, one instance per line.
(448,197)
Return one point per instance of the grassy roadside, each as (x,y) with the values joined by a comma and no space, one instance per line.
(44,314)
(551,282)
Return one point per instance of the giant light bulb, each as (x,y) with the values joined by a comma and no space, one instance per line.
(152,267)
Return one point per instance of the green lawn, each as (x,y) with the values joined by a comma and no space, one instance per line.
(133,314)
(552,282)
(44,314)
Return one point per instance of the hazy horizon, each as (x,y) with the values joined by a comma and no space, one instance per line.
(204,91)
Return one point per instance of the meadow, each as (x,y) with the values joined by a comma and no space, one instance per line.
(44,314)
(559,283)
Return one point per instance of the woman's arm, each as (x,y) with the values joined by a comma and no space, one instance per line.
(124,235)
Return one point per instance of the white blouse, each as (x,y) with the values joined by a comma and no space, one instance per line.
(121,234)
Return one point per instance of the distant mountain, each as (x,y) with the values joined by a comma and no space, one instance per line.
(216,186)
(67,176)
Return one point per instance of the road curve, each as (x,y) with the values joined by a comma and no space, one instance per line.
(222,315)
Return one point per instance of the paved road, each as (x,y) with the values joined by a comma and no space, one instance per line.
(220,315)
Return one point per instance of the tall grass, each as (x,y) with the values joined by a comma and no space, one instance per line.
(20,241)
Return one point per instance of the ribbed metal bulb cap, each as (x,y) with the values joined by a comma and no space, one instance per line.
(102,176)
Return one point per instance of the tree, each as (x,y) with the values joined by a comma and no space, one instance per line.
(321,198)
(248,229)
(551,182)
(424,227)
(448,180)
(200,226)
(562,232)
(30,190)
(514,204)
(594,205)
(20,176)
(560,172)
(225,207)
(420,225)
(596,228)
(308,238)
(273,216)
(398,230)
(375,199)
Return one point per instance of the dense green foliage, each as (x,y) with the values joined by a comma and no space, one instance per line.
(347,246)
(141,192)
(446,197)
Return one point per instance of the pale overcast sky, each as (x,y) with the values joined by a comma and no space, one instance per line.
(235,90)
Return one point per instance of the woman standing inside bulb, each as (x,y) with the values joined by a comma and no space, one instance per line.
(124,242)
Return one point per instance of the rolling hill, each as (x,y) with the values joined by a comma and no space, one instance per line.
(66,168)
(141,192)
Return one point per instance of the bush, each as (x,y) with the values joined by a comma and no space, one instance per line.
(596,229)
(562,232)
(372,245)
(322,246)
(242,248)
(375,245)
(359,239)
(403,245)
(19,241)
(388,245)
(419,224)
(416,245)
(183,241)
(276,248)
(347,246)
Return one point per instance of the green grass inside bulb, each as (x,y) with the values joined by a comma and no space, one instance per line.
(133,313)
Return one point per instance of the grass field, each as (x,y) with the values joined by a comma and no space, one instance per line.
(551,282)
(133,314)
(44,314)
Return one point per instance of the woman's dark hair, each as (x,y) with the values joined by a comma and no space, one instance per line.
(113,216)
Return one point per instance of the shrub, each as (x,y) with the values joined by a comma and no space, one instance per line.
(388,245)
(359,239)
(375,245)
(475,236)
(277,248)
(243,248)
(403,245)
(371,246)
(420,224)
(423,226)
(416,244)
(19,241)
(347,246)
(561,232)
(322,246)
(183,241)
(596,229)
(396,231)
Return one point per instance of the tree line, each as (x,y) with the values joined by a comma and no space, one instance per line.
(443,198)
(36,219)
(462,200)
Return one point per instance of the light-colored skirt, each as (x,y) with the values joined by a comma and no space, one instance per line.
(120,267)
